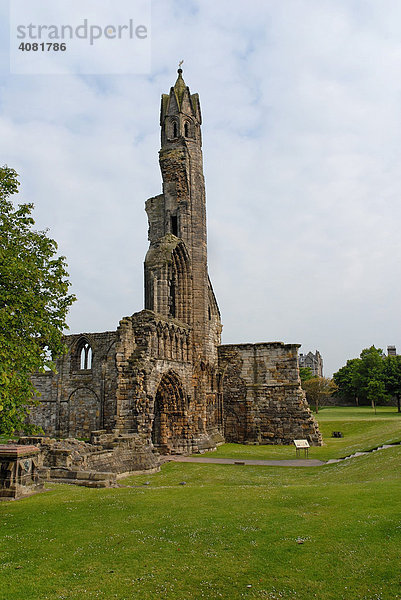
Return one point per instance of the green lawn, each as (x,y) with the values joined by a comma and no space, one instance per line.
(362,430)
(228,528)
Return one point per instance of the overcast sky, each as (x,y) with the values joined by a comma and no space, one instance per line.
(301,105)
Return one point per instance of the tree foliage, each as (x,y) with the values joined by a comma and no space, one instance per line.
(372,378)
(34,302)
(344,379)
(305,373)
(318,389)
(392,377)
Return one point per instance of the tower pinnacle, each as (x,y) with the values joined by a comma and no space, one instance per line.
(180,115)
(179,87)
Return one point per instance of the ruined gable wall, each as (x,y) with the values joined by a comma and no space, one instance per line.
(75,401)
(150,348)
(148,345)
(262,396)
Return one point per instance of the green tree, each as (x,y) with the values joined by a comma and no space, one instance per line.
(376,392)
(368,376)
(305,373)
(34,302)
(364,378)
(344,379)
(392,377)
(318,389)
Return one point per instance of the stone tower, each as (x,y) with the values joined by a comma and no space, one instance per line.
(179,287)
(179,330)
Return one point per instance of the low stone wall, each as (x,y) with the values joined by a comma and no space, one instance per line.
(96,464)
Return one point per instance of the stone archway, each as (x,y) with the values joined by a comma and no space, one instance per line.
(83,413)
(170,427)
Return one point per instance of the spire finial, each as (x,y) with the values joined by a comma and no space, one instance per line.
(179,86)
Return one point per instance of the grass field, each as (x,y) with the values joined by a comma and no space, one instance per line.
(362,430)
(231,532)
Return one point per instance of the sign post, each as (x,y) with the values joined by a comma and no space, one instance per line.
(301,445)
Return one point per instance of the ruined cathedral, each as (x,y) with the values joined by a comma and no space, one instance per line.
(164,375)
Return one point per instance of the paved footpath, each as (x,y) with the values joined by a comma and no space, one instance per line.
(299,462)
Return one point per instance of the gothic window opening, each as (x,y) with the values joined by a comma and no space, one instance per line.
(209,313)
(180,288)
(175,130)
(174,225)
(186,129)
(86,357)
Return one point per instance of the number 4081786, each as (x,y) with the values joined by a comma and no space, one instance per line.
(42,47)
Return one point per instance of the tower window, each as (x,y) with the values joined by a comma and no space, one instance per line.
(174,225)
(175,130)
(186,129)
(172,299)
(86,357)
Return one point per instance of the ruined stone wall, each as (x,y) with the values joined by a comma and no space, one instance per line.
(262,397)
(157,385)
(148,346)
(76,400)
(106,452)
(147,361)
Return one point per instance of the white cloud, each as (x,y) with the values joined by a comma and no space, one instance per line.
(300,101)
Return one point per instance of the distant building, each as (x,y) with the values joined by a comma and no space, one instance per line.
(311,361)
(391,351)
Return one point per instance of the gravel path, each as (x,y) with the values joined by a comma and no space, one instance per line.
(299,462)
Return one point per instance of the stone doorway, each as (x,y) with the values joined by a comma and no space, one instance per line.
(170,427)
(81,414)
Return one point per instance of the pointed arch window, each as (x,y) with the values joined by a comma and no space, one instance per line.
(180,287)
(85,357)
(175,129)
(188,129)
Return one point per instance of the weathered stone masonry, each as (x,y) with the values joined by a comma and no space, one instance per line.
(81,397)
(162,378)
(263,401)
